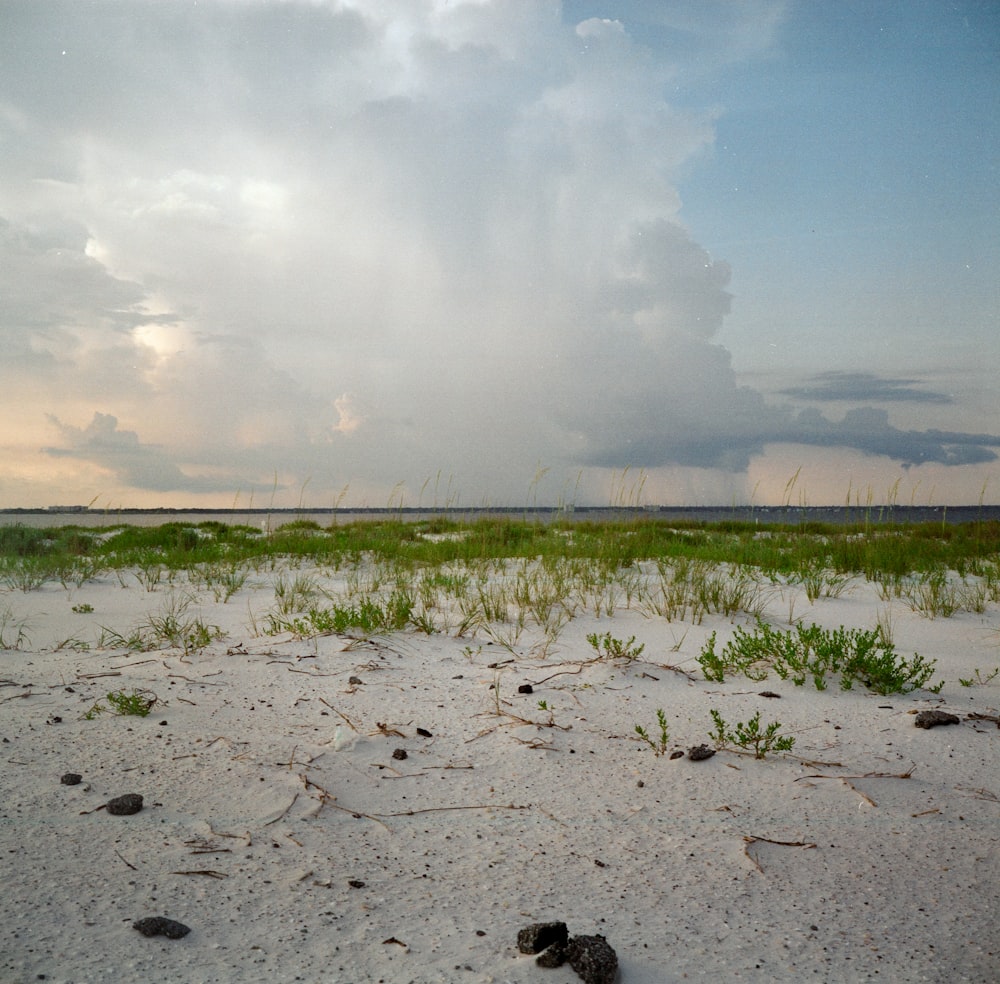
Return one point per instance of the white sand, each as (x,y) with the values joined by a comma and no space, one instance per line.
(491,823)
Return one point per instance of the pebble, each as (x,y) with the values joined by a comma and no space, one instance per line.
(931,719)
(161,926)
(698,753)
(123,806)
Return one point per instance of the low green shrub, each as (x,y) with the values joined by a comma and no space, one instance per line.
(814,652)
(138,703)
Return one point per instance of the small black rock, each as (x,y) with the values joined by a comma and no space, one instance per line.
(124,806)
(593,958)
(424,733)
(769,693)
(526,688)
(677,754)
(539,936)
(161,926)
(931,719)
(698,753)
(399,753)
(355,681)
(71,779)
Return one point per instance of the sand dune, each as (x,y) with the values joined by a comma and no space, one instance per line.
(370,809)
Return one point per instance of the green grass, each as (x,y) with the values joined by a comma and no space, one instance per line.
(14,630)
(519,582)
(805,551)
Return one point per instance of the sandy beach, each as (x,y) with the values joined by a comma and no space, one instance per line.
(349,807)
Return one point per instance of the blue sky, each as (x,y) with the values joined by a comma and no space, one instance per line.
(475,251)
(865,150)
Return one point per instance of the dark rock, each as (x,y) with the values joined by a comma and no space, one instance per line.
(931,719)
(554,956)
(399,753)
(161,926)
(593,958)
(698,753)
(123,806)
(676,754)
(355,883)
(539,936)
(769,693)
(526,688)
(424,733)
(71,779)
(355,681)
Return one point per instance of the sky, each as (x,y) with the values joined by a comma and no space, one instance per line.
(495,252)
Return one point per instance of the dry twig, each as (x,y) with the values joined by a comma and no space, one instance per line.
(749,840)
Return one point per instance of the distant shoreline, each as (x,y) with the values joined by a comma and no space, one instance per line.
(764,515)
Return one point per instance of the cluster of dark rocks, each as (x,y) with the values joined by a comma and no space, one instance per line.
(592,957)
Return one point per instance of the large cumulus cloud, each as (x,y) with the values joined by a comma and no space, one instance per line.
(332,241)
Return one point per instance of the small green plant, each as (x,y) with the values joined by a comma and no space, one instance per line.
(138,703)
(423,620)
(13,630)
(607,647)
(980,679)
(223,580)
(149,574)
(659,744)
(83,609)
(819,582)
(750,735)
(173,627)
(134,641)
(543,705)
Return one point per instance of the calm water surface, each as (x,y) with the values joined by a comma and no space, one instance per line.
(270,519)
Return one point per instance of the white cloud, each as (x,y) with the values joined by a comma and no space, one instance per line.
(348,420)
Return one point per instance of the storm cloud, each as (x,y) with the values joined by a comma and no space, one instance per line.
(247,244)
